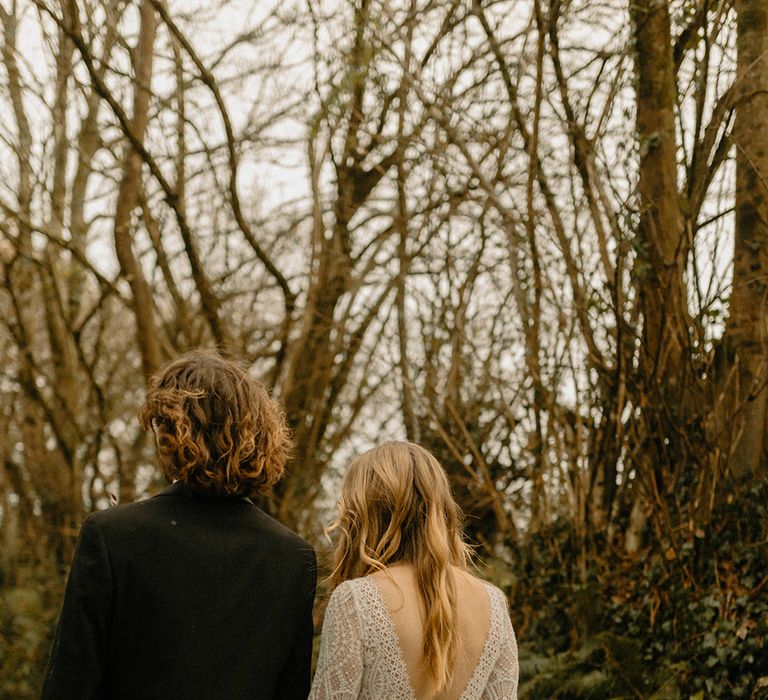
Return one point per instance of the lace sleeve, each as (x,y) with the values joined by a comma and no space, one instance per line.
(340,665)
(502,683)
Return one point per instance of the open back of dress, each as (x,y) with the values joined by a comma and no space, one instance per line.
(371,644)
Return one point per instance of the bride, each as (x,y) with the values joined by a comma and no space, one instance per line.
(406,619)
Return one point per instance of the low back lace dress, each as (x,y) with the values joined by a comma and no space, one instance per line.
(361,656)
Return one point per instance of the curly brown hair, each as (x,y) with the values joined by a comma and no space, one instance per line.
(217,429)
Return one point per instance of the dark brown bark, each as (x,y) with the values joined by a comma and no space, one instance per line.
(661,251)
(746,339)
(662,247)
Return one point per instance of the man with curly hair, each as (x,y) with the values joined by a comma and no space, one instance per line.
(196,592)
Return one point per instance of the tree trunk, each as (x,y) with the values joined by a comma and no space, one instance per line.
(661,251)
(747,333)
(127,198)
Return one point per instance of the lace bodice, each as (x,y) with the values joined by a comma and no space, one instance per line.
(360,655)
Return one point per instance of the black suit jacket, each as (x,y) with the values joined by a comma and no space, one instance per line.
(185,596)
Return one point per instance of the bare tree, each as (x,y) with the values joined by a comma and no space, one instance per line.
(746,338)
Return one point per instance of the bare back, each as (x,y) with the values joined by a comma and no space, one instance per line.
(400,593)
(372,642)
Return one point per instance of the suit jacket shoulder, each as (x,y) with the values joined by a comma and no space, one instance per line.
(191,597)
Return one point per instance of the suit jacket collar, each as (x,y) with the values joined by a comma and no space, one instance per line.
(178,488)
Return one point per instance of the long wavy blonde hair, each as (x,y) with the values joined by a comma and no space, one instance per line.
(396,507)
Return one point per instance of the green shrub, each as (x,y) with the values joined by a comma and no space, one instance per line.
(29,603)
(684,621)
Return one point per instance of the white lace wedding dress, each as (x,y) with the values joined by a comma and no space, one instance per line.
(360,656)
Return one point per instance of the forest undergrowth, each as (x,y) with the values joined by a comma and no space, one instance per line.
(687,622)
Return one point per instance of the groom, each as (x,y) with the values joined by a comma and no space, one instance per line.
(194,593)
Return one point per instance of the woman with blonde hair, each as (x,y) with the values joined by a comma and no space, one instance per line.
(406,619)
